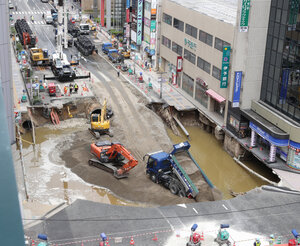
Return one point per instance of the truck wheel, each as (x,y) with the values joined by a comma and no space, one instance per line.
(181,193)
(153,177)
(173,188)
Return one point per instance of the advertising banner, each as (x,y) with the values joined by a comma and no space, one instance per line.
(237,89)
(139,22)
(127,15)
(225,66)
(127,4)
(244,15)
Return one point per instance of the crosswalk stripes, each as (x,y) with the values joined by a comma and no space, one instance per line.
(29,13)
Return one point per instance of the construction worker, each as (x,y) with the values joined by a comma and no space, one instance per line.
(271,240)
(65,90)
(118,72)
(43,16)
(76,88)
(257,242)
(32,19)
(71,88)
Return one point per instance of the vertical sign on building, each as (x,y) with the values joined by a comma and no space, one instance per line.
(225,66)
(284,85)
(179,64)
(102,6)
(139,22)
(237,89)
(127,11)
(153,7)
(152,34)
(244,15)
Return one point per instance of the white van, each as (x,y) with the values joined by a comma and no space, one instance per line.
(49,19)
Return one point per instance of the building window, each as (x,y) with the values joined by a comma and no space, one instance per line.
(187,84)
(219,43)
(200,94)
(177,48)
(190,30)
(216,72)
(189,56)
(166,42)
(204,65)
(205,38)
(178,24)
(167,19)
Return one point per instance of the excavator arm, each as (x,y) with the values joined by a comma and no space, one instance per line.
(119,149)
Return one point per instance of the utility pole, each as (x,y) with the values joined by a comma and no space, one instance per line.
(95,8)
(161,83)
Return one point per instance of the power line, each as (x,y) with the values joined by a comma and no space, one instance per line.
(94,219)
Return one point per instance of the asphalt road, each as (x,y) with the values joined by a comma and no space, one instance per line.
(259,213)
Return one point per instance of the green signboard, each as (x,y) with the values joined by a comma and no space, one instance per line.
(244,15)
(225,66)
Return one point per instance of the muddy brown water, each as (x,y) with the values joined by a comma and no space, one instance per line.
(219,166)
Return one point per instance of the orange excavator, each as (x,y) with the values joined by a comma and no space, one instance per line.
(111,157)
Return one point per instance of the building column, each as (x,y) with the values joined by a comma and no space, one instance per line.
(272,154)
(253,141)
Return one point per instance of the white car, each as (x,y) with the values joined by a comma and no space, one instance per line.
(10,5)
(49,19)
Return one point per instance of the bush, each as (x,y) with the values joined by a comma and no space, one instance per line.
(13,30)
(19,46)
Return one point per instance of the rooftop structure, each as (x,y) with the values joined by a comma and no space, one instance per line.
(224,10)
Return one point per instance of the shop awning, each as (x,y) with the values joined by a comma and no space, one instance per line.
(215,95)
(265,125)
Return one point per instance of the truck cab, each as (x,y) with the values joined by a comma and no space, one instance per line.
(106,46)
(84,29)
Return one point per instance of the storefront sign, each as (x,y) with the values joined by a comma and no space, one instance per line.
(139,22)
(179,64)
(237,89)
(127,15)
(147,38)
(268,137)
(153,7)
(147,22)
(152,40)
(190,44)
(133,36)
(225,66)
(244,15)
(284,85)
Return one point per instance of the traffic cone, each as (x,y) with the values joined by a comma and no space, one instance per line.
(82,244)
(177,234)
(202,237)
(19,102)
(155,237)
(32,243)
(131,241)
(234,244)
(107,243)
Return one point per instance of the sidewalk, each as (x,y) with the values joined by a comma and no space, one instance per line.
(18,84)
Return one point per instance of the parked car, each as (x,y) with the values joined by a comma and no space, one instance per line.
(124,67)
(45,1)
(49,19)
(10,5)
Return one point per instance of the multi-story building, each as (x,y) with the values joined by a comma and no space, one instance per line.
(240,68)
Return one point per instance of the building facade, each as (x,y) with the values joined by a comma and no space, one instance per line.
(259,103)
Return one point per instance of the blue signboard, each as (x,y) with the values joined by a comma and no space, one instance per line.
(127,4)
(268,137)
(237,89)
(139,22)
(294,144)
(284,85)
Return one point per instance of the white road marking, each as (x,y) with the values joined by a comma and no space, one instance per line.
(181,205)
(105,77)
(22,13)
(195,210)
(224,207)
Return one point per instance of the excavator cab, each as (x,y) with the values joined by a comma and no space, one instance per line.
(100,123)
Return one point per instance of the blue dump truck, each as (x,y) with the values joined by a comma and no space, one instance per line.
(106,47)
(186,179)
(114,56)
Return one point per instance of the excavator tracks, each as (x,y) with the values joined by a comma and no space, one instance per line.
(108,167)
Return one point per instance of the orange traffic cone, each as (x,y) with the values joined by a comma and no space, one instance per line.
(234,244)
(131,241)
(202,237)
(32,243)
(107,243)
(155,237)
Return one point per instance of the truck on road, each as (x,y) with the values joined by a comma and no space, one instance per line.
(114,56)
(164,168)
(106,47)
